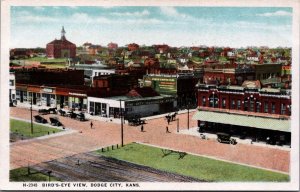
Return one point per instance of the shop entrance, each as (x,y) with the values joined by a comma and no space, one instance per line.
(21,96)
(34,98)
(48,100)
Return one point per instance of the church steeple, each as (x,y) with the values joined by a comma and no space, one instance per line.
(63,32)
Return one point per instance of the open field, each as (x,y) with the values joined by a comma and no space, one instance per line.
(45,59)
(21,174)
(24,128)
(190,165)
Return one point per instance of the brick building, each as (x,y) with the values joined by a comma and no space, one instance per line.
(61,48)
(247,111)
(133,47)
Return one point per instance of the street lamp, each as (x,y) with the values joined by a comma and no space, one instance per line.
(122,135)
(49,173)
(31,124)
(177,125)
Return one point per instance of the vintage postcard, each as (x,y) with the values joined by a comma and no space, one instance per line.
(156,95)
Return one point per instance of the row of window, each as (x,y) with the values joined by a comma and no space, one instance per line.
(249,105)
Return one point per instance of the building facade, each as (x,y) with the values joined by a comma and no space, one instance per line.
(245,111)
(61,48)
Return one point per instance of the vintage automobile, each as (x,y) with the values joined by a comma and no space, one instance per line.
(54,121)
(80,116)
(135,121)
(39,119)
(225,138)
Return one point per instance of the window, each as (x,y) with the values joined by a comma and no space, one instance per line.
(251,105)
(97,108)
(11,82)
(17,95)
(92,107)
(266,107)
(273,108)
(246,105)
(232,104)
(203,101)
(283,109)
(25,96)
(103,108)
(238,104)
(223,102)
(258,107)
(213,101)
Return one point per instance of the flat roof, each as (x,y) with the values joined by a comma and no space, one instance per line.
(243,120)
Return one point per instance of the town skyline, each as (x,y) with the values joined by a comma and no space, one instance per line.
(234,27)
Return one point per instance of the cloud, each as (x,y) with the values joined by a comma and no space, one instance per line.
(39,8)
(136,14)
(172,12)
(28,18)
(277,13)
(73,7)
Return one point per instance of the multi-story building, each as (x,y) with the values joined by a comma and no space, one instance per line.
(61,48)
(245,111)
(12,87)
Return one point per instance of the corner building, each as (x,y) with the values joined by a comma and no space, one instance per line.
(247,111)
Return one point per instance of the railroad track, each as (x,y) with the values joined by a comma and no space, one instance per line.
(92,167)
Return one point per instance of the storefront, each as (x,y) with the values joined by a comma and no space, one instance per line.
(110,107)
(71,98)
(46,96)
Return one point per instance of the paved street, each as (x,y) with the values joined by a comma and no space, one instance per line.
(85,139)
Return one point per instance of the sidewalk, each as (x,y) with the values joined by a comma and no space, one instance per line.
(209,136)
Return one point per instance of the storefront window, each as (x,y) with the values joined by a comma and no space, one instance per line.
(103,109)
(213,101)
(224,103)
(273,108)
(97,108)
(111,111)
(17,94)
(203,101)
(251,105)
(233,104)
(257,107)
(283,109)
(24,96)
(238,104)
(266,107)
(29,97)
(52,100)
(92,107)
(84,106)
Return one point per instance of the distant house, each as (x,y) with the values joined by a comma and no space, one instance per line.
(112,46)
(61,48)
(133,47)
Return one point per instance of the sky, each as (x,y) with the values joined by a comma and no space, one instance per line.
(35,26)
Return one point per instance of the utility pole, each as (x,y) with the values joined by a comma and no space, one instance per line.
(188,117)
(31,115)
(122,144)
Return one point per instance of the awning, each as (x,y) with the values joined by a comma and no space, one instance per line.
(243,120)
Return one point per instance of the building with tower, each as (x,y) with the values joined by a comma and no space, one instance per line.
(61,48)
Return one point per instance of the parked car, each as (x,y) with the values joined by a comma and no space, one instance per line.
(225,138)
(80,116)
(54,121)
(39,119)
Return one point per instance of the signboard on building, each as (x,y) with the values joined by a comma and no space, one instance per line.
(164,85)
(149,102)
(47,90)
